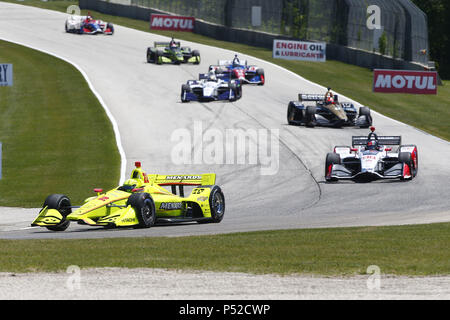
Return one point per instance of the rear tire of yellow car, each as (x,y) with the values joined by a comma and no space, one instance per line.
(61,203)
(144,206)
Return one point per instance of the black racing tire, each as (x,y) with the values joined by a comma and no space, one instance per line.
(217,204)
(196,53)
(235,89)
(110,26)
(184,88)
(365,111)
(238,92)
(415,165)
(332,158)
(144,206)
(291,113)
(406,157)
(260,72)
(310,116)
(150,57)
(158,53)
(61,203)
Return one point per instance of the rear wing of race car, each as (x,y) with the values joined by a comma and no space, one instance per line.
(187,180)
(159,44)
(228,62)
(382,140)
(313,97)
(207,179)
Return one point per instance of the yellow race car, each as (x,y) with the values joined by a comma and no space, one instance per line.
(140,202)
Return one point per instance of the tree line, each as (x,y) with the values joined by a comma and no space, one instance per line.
(438,13)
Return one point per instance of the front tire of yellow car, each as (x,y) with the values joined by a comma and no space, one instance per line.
(61,203)
(144,207)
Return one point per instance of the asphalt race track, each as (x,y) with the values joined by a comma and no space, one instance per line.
(144,100)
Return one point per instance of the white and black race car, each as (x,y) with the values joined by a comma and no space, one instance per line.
(371,158)
(210,88)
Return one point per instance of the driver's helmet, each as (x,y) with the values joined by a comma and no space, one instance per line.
(173,44)
(236,61)
(372,145)
(212,76)
(130,184)
(329,100)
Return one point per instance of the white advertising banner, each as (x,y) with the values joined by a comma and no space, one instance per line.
(299,50)
(6,75)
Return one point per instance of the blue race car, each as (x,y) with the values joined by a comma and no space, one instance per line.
(238,70)
(210,88)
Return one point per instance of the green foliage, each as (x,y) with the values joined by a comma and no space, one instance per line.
(382,43)
(56,136)
(438,12)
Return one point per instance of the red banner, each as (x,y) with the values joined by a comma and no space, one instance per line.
(403,81)
(175,23)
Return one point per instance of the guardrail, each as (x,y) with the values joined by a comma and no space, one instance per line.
(345,54)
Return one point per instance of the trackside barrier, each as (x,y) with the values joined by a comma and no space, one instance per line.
(361,58)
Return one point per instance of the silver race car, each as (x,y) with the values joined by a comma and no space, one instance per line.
(371,158)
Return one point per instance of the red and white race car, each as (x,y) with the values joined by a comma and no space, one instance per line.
(373,157)
(88,25)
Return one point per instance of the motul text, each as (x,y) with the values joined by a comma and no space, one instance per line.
(176,23)
(401,81)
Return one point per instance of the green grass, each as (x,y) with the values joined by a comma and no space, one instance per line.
(402,250)
(56,136)
(427,112)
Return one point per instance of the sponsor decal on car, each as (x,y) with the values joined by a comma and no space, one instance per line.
(404,81)
(170,206)
(175,23)
(183,177)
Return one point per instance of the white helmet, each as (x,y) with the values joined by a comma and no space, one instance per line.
(212,76)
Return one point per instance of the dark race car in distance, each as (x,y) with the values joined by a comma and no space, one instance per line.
(171,52)
(326,110)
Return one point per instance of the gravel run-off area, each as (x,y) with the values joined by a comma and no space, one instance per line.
(137,284)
